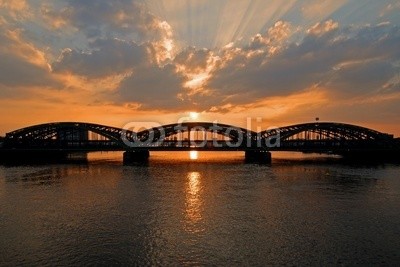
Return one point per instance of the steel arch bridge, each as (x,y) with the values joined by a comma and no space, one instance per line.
(48,131)
(62,133)
(336,138)
(229,131)
(326,130)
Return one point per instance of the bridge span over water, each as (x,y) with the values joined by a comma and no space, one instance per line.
(62,138)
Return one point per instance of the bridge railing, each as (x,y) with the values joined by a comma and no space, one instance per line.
(199,143)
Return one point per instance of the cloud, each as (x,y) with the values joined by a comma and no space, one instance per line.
(362,77)
(390,8)
(321,28)
(119,36)
(15,9)
(156,88)
(273,39)
(344,62)
(22,65)
(14,43)
(108,19)
(55,17)
(247,76)
(16,72)
(106,57)
(193,60)
(85,22)
(196,65)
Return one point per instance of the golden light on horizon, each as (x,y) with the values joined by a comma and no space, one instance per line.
(194,115)
(194,155)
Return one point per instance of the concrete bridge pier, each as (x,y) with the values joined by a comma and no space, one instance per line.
(136,156)
(258,156)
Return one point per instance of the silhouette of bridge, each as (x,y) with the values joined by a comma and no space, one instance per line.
(319,137)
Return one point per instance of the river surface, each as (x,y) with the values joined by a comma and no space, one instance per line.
(216,210)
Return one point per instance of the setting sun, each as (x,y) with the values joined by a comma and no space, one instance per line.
(194,115)
(194,155)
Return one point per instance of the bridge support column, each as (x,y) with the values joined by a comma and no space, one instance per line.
(136,156)
(258,156)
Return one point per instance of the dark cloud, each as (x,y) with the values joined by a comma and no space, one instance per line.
(153,88)
(105,19)
(18,68)
(349,62)
(107,57)
(193,60)
(361,78)
(16,72)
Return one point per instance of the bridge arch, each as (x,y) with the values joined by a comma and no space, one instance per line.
(326,130)
(52,131)
(233,132)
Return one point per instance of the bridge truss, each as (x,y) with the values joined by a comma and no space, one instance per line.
(318,137)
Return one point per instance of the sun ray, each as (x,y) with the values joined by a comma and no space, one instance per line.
(214,24)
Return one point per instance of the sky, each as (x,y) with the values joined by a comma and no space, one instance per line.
(277,62)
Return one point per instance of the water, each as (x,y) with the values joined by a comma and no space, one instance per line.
(211,211)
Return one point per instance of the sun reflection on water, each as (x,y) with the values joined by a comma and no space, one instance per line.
(194,202)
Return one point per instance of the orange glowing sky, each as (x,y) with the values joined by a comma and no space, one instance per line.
(114,62)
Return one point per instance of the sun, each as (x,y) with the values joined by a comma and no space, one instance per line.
(194,155)
(194,115)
